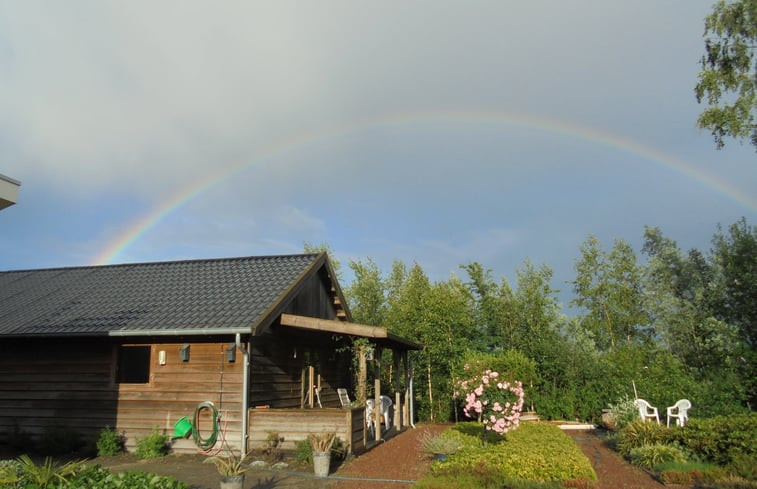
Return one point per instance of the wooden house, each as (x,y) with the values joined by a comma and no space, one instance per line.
(261,344)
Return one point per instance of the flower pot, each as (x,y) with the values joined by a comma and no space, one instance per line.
(321,463)
(232,481)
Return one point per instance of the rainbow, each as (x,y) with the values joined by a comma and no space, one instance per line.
(144,224)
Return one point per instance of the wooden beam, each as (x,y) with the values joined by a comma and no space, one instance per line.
(332,326)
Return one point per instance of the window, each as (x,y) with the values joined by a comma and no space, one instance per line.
(133,365)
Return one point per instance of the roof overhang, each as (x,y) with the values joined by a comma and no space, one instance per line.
(379,334)
(8,191)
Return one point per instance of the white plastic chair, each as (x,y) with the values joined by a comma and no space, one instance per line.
(679,411)
(647,411)
(385,409)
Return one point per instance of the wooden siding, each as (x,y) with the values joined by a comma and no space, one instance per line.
(176,388)
(278,363)
(70,385)
(47,386)
(294,425)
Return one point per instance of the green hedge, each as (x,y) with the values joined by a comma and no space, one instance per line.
(721,439)
(535,452)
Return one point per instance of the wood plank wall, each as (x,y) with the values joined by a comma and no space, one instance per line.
(175,390)
(53,386)
(277,365)
(69,385)
(296,424)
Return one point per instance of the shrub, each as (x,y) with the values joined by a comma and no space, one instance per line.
(623,412)
(303,451)
(153,445)
(445,445)
(272,450)
(527,453)
(743,465)
(96,477)
(650,456)
(638,433)
(480,481)
(46,474)
(110,442)
(721,439)
(688,473)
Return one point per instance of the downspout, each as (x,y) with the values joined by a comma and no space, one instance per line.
(245,389)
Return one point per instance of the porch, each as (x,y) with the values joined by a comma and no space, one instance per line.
(349,421)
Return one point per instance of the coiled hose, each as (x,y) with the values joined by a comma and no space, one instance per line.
(205,443)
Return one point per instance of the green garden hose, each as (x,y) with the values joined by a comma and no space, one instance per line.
(205,443)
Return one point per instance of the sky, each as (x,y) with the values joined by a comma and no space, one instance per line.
(431,132)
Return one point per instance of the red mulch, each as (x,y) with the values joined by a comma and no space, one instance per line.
(399,458)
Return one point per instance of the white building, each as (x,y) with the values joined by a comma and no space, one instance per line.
(8,191)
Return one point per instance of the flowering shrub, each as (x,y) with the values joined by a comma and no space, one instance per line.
(494,402)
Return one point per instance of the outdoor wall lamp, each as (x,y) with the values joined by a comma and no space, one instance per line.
(184,353)
(231,353)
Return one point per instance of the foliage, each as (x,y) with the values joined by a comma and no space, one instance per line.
(110,442)
(496,402)
(153,445)
(303,451)
(623,412)
(47,473)
(743,465)
(272,449)
(727,82)
(608,287)
(721,439)
(441,444)
(650,456)
(482,478)
(230,465)
(321,442)
(679,325)
(689,472)
(527,453)
(95,477)
(639,433)
(8,471)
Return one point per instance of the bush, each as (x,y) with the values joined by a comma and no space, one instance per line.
(110,442)
(153,445)
(623,412)
(639,433)
(688,473)
(491,480)
(721,439)
(96,477)
(527,453)
(443,445)
(650,456)
(303,451)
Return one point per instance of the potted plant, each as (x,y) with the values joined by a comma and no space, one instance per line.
(440,447)
(231,468)
(321,445)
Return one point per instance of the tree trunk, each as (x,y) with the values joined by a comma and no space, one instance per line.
(430,392)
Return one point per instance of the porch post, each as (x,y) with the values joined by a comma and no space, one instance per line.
(406,407)
(377,390)
(397,404)
(362,376)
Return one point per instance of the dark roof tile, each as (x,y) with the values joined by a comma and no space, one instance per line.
(190,296)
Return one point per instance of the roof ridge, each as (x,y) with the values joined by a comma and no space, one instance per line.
(164,262)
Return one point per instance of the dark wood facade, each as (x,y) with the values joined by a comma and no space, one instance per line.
(76,384)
